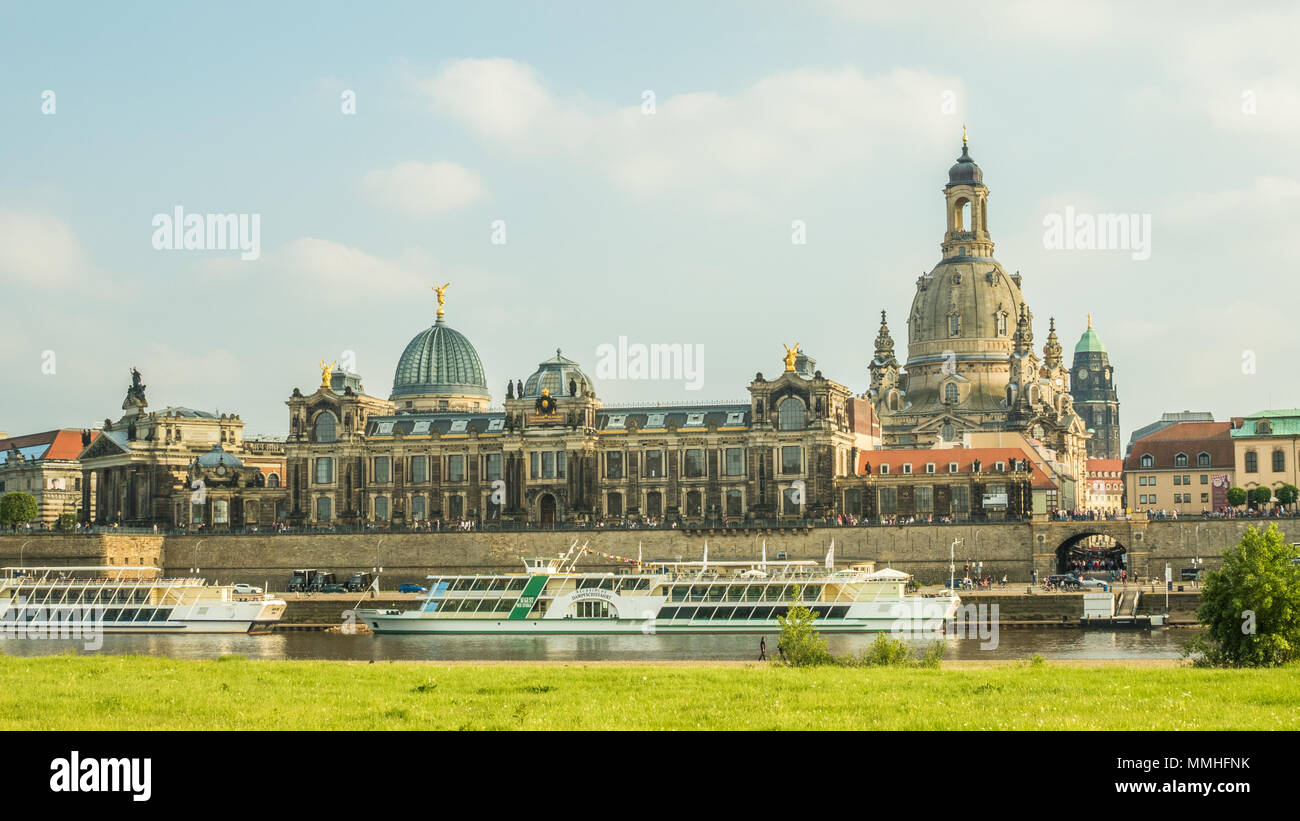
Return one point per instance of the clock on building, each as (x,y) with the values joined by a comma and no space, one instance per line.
(1082,373)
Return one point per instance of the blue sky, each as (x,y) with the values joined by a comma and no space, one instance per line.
(671,227)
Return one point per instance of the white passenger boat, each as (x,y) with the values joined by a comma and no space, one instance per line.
(126,599)
(551,597)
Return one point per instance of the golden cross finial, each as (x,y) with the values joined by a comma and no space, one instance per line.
(963,133)
(1089,320)
(442,296)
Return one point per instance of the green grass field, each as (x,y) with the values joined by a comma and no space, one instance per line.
(135,692)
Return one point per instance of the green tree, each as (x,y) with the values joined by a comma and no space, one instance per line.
(799,644)
(1251,607)
(67,521)
(17,507)
(1237,496)
(1287,494)
(1261,496)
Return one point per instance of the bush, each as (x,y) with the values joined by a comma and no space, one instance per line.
(1287,494)
(1251,607)
(799,644)
(887,651)
(1261,496)
(67,521)
(1237,496)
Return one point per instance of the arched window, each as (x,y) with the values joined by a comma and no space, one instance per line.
(950,393)
(1180,460)
(954,324)
(1202,460)
(1148,461)
(1002,323)
(948,432)
(326,425)
(273,480)
(791,415)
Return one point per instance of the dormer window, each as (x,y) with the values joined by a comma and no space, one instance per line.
(884,469)
(929,467)
(1148,461)
(952,467)
(907,467)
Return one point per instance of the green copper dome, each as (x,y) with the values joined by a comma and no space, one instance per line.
(1090,342)
(439,360)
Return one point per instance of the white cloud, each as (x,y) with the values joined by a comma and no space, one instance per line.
(424,189)
(40,250)
(787,129)
(332,269)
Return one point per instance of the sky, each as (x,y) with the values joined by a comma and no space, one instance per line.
(581,172)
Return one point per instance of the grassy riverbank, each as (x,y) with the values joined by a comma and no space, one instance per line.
(136,692)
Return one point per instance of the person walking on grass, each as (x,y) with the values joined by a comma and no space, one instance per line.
(762,648)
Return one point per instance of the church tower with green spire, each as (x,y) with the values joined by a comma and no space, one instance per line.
(1095,398)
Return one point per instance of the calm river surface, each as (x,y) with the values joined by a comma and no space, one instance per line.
(1051,643)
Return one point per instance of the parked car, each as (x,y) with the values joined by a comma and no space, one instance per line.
(359,582)
(334,588)
(411,588)
(246,589)
(1093,584)
(1064,581)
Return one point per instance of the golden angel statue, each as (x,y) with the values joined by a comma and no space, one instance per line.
(790,355)
(442,296)
(325,370)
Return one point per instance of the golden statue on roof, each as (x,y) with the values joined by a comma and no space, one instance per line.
(442,296)
(791,354)
(325,371)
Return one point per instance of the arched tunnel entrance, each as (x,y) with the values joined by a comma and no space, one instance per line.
(1090,553)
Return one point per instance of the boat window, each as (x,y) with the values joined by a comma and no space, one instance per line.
(724,612)
(518,584)
(506,605)
(744,613)
(838,612)
(685,613)
(667,613)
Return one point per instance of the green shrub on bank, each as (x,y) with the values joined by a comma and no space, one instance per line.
(1251,607)
(799,645)
(888,651)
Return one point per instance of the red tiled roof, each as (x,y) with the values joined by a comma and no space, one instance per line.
(964,457)
(64,443)
(1105,466)
(1190,438)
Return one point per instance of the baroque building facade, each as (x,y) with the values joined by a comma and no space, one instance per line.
(154,468)
(971,365)
(555,454)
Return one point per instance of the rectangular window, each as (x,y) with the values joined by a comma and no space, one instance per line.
(1205,479)
(324,470)
(1279,461)
(1178,480)
(961,499)
(907,467)
(417,508)
(381,508)
(548,464)
(654,464)
(925,499)
(694,464)
(492,466)
(560,457)
(791,459)
(1187,480)
(456,467)
(1142,480)
(536,467)
(1205,497)
(735,459)
(419,469)
(614,465)
(888,501)
(381,470)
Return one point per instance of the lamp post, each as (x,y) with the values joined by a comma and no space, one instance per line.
(20,551)
(952,564)
(195,568)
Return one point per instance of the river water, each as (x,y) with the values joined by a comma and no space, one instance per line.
(1051,643)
